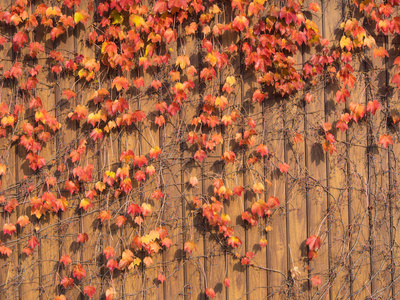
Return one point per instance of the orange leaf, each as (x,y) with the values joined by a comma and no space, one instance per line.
(380,52)
(104,215)
(79,272)
(120,83)
(8,228)
(189,247)
(385,140)
(65,259)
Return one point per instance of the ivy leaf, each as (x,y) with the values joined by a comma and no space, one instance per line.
(90,291)
(189,247)
(227,282)
(210,292)
(313,242)
(121,220)
(19,40)
(240,23)
(109,252)
(161,278)
(385,140)
(79,272)
(33,242)
(314,7)
(120,83)
(23,221)
(104,215)
(380,52)
(316,280)
(82,238)
(81,16)
(373,106)
(65,259)
(85,204)
(9,228)
(67,282)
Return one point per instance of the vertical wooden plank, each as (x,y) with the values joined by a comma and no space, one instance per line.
(66,141)
(214,168)
(275,187)
(88,254)
(258,279)
(11,275)
(336,170)
(234,173)
(380,183)
(174,206)
(47,256)
(392,114)
(294,117)
(357,172)
(148,139)
(315,162)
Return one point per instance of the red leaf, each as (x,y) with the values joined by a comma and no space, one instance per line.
(229,156)
(259,208)
(373,106)
(200,155)
(313,242)
(19,40)
(34,49)
(5,251)
(167,242)
(262,149)
(134,209)
(238,190)
(90,291)
(284,168)
(33,242)
(8,228)
(79,272)
(161,278)
(234,241)
(210,292)
(67,282)
(96,134)
(11,205)
(227,282)
(85,204)
(140,161)
(385,140)
(316,280)
(109,252)
(314,7)
(69,93)
(82,238)
(308,97)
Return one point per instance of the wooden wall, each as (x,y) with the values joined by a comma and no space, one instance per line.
(349,198)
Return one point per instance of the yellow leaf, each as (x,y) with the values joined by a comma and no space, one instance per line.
(136,20)
(182,61)
(345,42)
(268,228)
(231,80)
